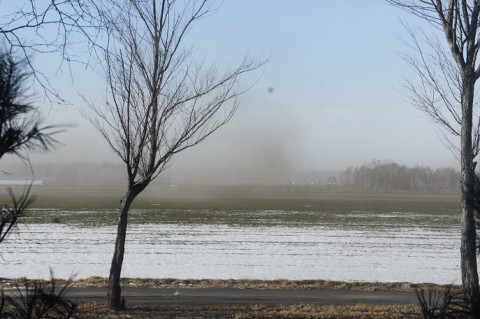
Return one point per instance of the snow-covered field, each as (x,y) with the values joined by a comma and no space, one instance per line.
(356,246)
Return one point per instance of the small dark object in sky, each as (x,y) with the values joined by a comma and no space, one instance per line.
(270,90)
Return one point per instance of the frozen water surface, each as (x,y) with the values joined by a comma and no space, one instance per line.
(356,246)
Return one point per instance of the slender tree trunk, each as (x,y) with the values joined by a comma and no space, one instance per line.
(469,236)
(114,288)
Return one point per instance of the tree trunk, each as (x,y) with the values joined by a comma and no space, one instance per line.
(114,288)
(469,236)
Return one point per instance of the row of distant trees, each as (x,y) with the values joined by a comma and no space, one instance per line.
(373,176)
(390,176)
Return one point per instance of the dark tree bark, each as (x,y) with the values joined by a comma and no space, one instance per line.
(468,226)
(114,287)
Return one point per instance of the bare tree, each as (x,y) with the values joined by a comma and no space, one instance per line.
(160,101)
(445,91)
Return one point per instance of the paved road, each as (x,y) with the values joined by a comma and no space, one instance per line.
(234,296)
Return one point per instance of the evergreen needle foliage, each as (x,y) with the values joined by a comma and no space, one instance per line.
(21,127)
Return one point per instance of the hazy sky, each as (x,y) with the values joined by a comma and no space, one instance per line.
(337,92)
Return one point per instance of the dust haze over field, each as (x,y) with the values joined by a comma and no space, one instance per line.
(268,140)
(269,145)
(302,113)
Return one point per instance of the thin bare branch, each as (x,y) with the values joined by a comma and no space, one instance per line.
(60,27)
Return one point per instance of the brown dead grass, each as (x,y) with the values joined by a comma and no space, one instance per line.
(89,311)
(243,284)
(273,284)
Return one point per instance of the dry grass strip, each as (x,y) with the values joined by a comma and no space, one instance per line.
(89,311)
(244,284)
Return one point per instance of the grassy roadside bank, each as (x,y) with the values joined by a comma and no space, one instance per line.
(91,310)
(241,284)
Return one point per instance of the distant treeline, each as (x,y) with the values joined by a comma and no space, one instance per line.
(374,176)
(388,176)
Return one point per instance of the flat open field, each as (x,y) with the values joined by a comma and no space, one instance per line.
(240,198)
(249,231)
(254,232)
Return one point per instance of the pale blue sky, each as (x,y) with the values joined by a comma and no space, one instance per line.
(337,99)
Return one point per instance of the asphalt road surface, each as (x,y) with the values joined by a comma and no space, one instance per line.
(235,296)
